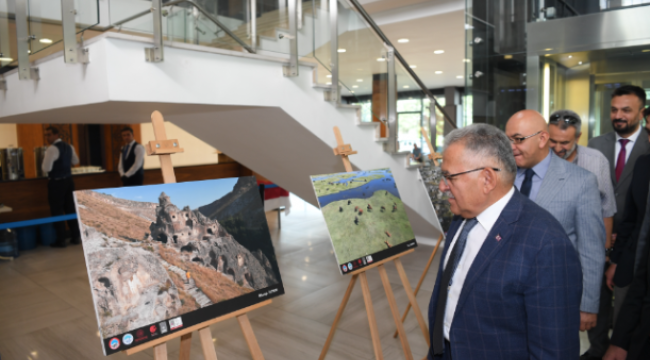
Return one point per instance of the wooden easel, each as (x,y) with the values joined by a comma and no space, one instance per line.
(345,150)
(434,156)
(164,148)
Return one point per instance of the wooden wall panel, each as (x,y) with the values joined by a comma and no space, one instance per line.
(30,136)
(380,101)
(28,198)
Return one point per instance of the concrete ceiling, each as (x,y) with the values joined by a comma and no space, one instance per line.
(429,25)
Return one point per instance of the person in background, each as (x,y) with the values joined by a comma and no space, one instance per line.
(57,162)
(509,283)
(622,147)
(131,159)
(417,153)
(567,191)
(632,327)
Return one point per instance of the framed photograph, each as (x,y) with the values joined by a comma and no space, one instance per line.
(365,217)
(161,258)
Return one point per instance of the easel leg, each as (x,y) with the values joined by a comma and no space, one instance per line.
(374,332)
(424,274)
(186,346)
(249,335)
(160,352)
(413,301)
(209,353)
(393,309)
(339,313)
(279,219)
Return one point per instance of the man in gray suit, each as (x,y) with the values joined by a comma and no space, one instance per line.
(568,192)
(626,113)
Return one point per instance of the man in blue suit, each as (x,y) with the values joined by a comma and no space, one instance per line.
(509,283)
(570,193)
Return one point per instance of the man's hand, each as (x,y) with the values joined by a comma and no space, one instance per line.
(587,320)
(609,276)
(615,353)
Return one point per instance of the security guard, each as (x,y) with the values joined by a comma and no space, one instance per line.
(131,165)
(57,162)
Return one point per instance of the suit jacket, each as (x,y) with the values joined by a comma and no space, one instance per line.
(606,144)
(571,194)
(632,327)
(633,230)
(521,296)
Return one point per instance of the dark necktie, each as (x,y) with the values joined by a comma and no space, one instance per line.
(527,185)
(445,283)
(125,151)
(620,162)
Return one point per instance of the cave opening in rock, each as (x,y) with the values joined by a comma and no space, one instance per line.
(105,282)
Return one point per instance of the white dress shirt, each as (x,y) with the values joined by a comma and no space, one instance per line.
(52,155)
(628,146)
(475,240)
(139,159)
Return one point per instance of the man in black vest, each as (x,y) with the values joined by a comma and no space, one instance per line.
(131,166)
(57,162)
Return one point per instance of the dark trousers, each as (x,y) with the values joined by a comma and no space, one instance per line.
(136,180)
(599,334)
(59,196)
(446,355)
(644,353)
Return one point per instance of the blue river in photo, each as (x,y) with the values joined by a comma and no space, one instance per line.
(387,183)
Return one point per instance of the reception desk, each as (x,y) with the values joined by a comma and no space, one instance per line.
(28,198)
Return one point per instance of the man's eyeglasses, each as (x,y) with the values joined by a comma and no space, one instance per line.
(447,177)
(519,140)
(567,119)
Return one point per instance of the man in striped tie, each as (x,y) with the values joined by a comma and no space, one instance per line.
(509,282)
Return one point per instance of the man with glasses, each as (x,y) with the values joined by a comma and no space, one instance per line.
(568,192)
(509,282)
(622,148)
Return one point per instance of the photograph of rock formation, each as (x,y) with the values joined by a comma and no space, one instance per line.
(162,251)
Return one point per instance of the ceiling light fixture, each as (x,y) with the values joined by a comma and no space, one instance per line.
(405,86)
(438,72)
(329,83)
(355,86)
(403,41)
(341,50)
(45,41)
(5,58)
(359,80)
(329,76)
(570,56)
(381,59)
(547,55)
(507,57)
(438,52)
(646,50)
(467,60)
(412,66)
(579,62)
(549,49)
(459,77)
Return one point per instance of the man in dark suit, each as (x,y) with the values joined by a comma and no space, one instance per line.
(509,284)
(622,148)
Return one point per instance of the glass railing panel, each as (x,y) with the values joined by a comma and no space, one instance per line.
(122,10)
(412,112)
(8,57)
(543,10)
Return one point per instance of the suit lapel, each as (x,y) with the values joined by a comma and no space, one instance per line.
(609,150)
(639,148)
(498,237)
(555,177)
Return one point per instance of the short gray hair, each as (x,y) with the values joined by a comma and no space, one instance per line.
(487,141)
(561,114)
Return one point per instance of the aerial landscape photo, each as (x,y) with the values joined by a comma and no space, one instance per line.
(363,212)
(161,251)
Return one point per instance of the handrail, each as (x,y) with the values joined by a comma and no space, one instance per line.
(383,37)
(199,8)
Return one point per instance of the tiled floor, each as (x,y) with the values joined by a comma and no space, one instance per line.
(46,310)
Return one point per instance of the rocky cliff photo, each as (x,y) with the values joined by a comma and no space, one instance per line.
(151,261)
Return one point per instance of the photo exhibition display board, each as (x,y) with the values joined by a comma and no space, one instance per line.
(431,178)
(165,257)
(365,216)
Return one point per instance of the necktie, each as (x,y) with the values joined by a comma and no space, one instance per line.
(125,150)
(620,162)
(528,183)
(445,283)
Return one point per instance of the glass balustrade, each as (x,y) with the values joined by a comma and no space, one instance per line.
(543,10)
(8,49)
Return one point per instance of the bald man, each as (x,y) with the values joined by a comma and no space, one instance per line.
(567,191)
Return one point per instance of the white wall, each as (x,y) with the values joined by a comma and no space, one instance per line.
(196,152)
(8,136)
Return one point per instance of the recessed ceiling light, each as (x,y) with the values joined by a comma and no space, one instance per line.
(352,92)
(646,50)
(359,80)
(381,59)
(6,58)
(570,56)
(413,66)
(549,49)
(468,27)
(329,76)
(459,77)
(329,83)
(405,86)
(45,41)
(467,60)
(355,86)
(403,41)
(547,55)
(438,52)
(341,50)
(579,62)
(438,72)
(507,57)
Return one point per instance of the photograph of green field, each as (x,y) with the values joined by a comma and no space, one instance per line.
(363,212)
